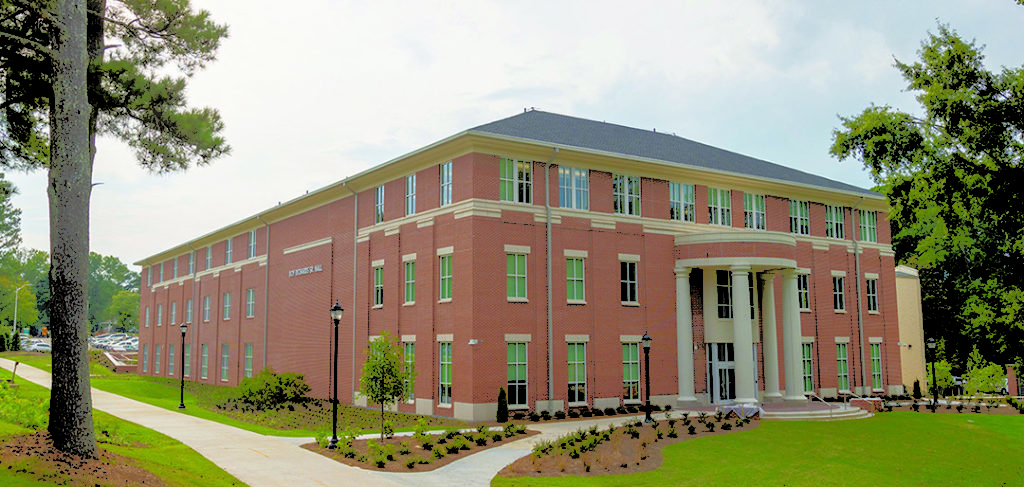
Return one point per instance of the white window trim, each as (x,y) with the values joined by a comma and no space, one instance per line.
(446,183)
(575,201)
(721,212)
(525,275)
(625,197)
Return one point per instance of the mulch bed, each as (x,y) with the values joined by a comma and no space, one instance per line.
(21,454)
(967,410)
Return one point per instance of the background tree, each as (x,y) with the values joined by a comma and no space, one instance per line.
(53,108)
(952,176)
(108,276)
(27,312)
(10,218)
(124,308)
(384,377)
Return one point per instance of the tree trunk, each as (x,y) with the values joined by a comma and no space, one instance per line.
(69,189)
(382,423)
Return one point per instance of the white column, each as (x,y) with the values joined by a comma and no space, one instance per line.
(791,339)
(684,337)
(742,337)
(771,340)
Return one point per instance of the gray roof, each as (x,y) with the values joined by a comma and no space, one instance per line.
(563,130)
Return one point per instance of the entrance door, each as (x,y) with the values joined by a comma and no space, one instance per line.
(721,373)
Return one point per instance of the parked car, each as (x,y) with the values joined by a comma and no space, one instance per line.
(39,347)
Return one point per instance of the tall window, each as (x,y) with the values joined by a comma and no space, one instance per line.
(410,194)
(876,366)
(248,360)
(206,308)
(724,288)
(159,314)
(868,226)
(250,303)
(808,371)
(872,293)
(842,367)
(378,206)
(516,357)
(204,368)
(574,282)
(147,316)
(627,282)
(209,256)
(626,194)
(192,262)
(577,373)
(145,358)
(445,377)
(174,312)
(410,282)
(834,222)
(446,277)
(753,211)
(188,311)
(515,276)
(378,286)
(803,293)
(682,205)
(170,359)
(156,360)
(446,183)
(227,306)
(838,297)
(228,245)
(252,244)
(149,276)
(573,188)
(631,371)
(174,268)
(799,217)
(409,359)
(719,207)
(161,272)
(514,181)
(224,362)
(187,364)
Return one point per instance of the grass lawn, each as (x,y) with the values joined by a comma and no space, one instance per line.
(899,448)
(172,461)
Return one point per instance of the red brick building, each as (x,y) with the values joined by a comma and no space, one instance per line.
(532,253)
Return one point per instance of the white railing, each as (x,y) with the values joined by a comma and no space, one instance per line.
(815,395)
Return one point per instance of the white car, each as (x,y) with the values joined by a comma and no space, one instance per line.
(39,347)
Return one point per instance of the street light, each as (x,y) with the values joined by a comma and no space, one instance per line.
(647,375)
(184,328)
(935,385)
(15,330)
(336,312)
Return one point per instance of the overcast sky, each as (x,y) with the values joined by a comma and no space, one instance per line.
(314,91)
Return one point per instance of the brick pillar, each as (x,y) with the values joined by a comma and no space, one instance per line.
(1011,379)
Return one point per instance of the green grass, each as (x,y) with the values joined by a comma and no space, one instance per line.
(899,448)
(175,463)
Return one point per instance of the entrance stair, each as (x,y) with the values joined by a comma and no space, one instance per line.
(837,413)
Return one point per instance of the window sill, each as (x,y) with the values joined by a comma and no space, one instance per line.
(577,404)
(377,306)
(250,317)
(444,300)
(517,300)
(443,405)
(806,310)
(576,301)
(845,391)
(408,303)
(632,304)
(840,311)
(873,312)
(632,402)
(518,407)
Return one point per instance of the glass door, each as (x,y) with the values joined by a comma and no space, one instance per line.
(721,373)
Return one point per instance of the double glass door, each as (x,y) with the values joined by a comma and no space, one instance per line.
(721,373)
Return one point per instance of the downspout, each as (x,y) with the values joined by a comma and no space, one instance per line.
(195,330)
(355,276)
(860,315)
(266,291)
(547,214)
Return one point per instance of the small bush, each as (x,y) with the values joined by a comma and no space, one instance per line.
(519,415)
(574,413)
(267,390)
(404,448)
(411,462)
(559,414)
(585,413)
(481,439)
(597,412)
(545,415)
(621,409)
(534,416)
(672,433)
(609,411)
(710,425)
(502,415)
(632,409)
(496,437)
(726,427)
(691,429)
(917,389)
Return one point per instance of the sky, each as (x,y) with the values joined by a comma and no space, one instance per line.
(321,90)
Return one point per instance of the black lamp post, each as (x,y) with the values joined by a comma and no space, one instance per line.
(336,313)
(935,385)
(647,375)
(184,328)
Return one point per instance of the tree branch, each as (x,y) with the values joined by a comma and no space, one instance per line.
(27,43)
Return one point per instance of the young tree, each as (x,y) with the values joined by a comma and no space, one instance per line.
(124,307)
(72,69)
(384,377)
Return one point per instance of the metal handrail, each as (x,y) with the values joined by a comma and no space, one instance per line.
(816,396)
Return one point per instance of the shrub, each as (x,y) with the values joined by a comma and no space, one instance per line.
(710,426)
(632,409)
(481,439)
(411,462)
(672,433)
(691,429)
(574,413)
(502,406)
(559,414)
(597,412)
(438,453)
(621,409)
(510,430)
(519,415)
(388,430)
(917,389)
(496,437)
(609,411)
(959,408)
(726,427)
(534,416)
(267,389)
(585,413)
(404,448)
(545,415)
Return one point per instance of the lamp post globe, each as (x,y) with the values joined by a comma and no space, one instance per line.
(336,314)
(646,340)
(935,386)
(181,401)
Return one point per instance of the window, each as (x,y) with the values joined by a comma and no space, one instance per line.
(378,286)
(720,207)
(808,372)
(842,367)
(159,314)
(224,362)
(627,281)
(409,357)
(799,217)
(161,272)
(147,316)
(515,276)
(252,244)
(876,366)
(205,365)
(228,245)
(516,357)
(753,211)
(681,202)
(248,360)
(250,303)
(174,268)
(209,256)
(378,206)
(192,262)
(514,181)
(803,293)
(577,373)
(446,277)
(149,276)
(724,288)
(573,188)
(227,306)
(170,360)
(206,308)
(626,194)
(446,183)
(868,227)
(188,311)
(410,282)
(410,194)
(838,298)
(834,222)
(156,360)
(445,377)
(145,358)
(174,312)
(630,371)
(574,283)
(872,293)
(186,365)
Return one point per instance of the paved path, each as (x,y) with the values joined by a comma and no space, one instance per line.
(261,460)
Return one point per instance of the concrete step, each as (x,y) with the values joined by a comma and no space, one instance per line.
(836,414)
